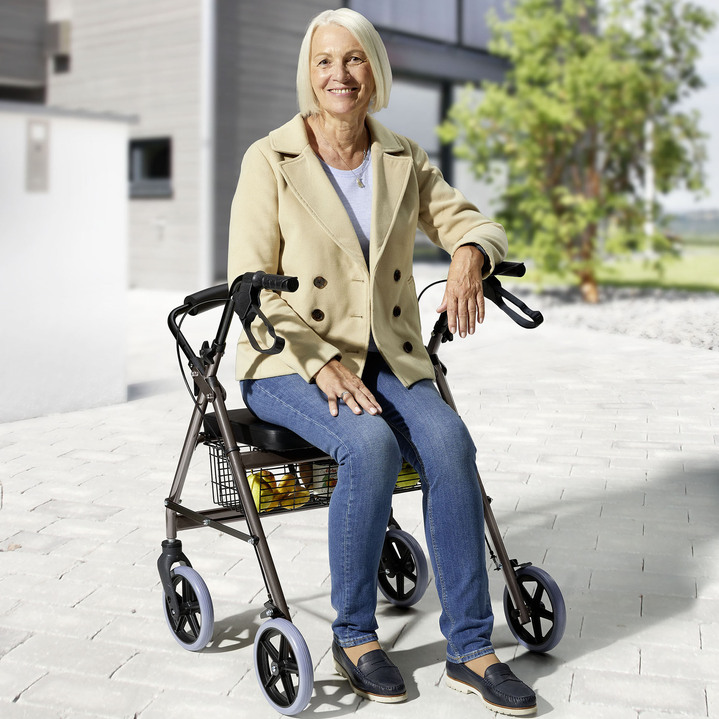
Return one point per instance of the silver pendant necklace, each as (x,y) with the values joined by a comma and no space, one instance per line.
(361,168)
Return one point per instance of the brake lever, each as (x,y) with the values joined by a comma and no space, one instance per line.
(247,308)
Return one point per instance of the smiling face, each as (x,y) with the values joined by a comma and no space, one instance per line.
(340,72)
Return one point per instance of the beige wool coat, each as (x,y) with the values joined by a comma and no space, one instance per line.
(287,219)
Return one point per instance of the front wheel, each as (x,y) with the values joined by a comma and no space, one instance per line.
(403,573)
(547,612)
(283,666)
(192,627)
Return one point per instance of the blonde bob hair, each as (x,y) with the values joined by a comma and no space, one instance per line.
(371,44)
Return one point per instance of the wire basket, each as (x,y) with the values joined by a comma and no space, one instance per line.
(282,487)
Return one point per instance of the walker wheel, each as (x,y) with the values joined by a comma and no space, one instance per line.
(283,666)
(192,627)
(548,614)
(403,574)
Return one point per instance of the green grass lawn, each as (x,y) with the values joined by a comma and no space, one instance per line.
(695,269)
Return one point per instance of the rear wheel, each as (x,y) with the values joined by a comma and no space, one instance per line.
(403,573)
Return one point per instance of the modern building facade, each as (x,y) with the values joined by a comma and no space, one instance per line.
(206,78)
(22,50)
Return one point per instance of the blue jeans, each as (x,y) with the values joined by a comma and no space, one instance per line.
(418,425)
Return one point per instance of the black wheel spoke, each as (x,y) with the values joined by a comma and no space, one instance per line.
(194,621)
(538,594)
(270,681)
(270,648)
(290,690)
(537,626)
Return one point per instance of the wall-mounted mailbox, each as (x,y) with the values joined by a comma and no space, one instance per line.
(37,164)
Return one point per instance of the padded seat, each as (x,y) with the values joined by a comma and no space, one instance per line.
(250,430)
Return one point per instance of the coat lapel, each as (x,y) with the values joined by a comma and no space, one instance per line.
(307,180)
(390,175)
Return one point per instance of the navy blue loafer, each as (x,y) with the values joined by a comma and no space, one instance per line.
(374,678)
(500,690)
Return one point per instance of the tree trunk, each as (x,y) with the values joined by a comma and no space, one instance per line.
(587,275)
(588,287)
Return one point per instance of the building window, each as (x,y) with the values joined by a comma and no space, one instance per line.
(415,110)
(476,32)
(61,64)
(426,18)
(457,22)
(151,167)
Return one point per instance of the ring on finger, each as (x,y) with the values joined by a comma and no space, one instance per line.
(342,396)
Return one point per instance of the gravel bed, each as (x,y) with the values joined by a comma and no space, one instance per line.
(674,316)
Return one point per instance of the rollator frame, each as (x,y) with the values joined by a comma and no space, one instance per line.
(243,300)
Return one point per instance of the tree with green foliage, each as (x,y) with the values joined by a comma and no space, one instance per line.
(587,128)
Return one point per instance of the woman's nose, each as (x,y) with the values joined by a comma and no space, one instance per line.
(340,71)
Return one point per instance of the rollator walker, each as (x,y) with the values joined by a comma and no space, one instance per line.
(260,469)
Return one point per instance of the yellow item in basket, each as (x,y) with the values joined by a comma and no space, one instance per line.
(407,477)
(262,484)
(291,493)
(306,473)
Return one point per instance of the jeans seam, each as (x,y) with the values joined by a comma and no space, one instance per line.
(430,517)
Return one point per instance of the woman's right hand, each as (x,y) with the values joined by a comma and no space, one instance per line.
(339,383)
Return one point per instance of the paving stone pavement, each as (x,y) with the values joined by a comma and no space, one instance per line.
(601,453)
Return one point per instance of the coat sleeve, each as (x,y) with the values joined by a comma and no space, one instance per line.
(449,219)
(255,243)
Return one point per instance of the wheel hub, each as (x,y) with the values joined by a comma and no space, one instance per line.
(275,669)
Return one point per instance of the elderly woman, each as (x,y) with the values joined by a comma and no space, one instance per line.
(335,198)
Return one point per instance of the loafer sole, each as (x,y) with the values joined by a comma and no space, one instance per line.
(469,689)
(381,698)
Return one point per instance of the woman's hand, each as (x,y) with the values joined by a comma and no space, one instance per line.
(338,383)
(463,296)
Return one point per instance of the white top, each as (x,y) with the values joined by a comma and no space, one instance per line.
(357,200)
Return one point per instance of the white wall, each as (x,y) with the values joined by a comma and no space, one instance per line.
(141,58)
(63,274)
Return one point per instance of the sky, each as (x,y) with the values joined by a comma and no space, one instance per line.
(707,102)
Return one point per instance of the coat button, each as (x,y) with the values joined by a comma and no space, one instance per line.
(407,347)
(320,282)
(397,311)
(318,315)
(397,275)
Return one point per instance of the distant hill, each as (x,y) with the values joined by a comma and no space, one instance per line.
(697,223)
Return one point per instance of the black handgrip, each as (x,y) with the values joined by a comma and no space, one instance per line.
(276,283)
(510,269)
(207,299)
